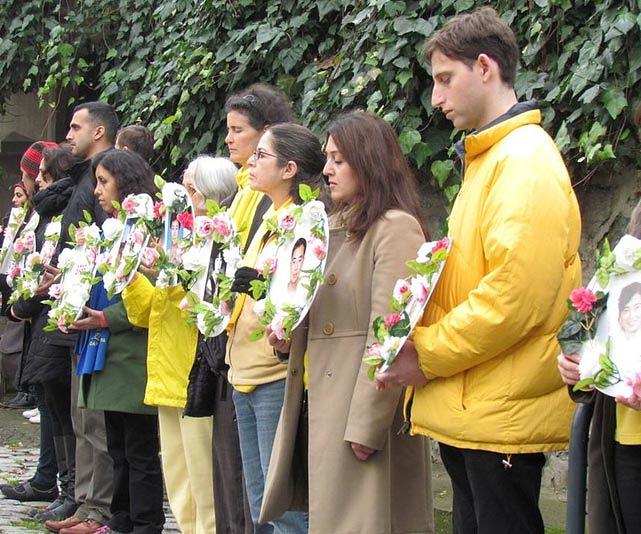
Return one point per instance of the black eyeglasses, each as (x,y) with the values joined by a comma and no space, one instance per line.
(259,153)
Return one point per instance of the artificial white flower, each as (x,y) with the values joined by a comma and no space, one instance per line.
(315,211)
(109,279)
(232,258)
(192,260)
(173,194)
(423,252)
(66,258)
(76,298)
(53,228)
(626,252)
(112,229)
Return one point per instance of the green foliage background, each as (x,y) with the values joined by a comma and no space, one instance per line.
(170,64)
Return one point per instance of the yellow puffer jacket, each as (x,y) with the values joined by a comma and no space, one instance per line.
(489,334)
(171,346)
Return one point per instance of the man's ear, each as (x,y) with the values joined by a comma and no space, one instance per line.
(99,132)
(487,66)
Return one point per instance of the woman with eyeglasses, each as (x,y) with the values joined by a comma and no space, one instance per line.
(364,474)
(287,155)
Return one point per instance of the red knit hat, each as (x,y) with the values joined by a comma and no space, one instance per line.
(30,162)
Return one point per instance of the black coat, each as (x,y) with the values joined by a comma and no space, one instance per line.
(82,199)
(46,354)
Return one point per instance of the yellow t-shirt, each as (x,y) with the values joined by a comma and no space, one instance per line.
(628,430)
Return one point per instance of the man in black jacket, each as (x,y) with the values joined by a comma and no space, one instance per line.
(92,130)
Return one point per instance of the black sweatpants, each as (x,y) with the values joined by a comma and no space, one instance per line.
(133,444)
(491,497)
(627,473)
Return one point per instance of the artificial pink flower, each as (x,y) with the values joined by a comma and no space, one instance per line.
(184,304)
(159,210)
(129,205)
(268,266)
(149,257)
(222,227)
(55,291)
(29,241)
(204,227)
(583,299)
(277,326)
(19,246)
(287,222)
(374,350)
(391,319)
(186,220)
(138,237)
(319,249)
(15,272)
(442,244)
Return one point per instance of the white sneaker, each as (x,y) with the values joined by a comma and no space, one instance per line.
(28,414)
(35,419)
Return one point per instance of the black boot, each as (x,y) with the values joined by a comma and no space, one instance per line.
(65,506)
(22,401)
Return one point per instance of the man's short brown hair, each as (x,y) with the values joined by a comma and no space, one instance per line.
(482,31)
(137,139)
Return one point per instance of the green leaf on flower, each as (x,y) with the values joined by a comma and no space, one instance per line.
(378,326)
(257,288)
(306,194)
(159,182)
(583,384)
(87,216)
(371,372)
(402,328)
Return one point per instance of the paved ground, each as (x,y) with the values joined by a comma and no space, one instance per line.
(18,456)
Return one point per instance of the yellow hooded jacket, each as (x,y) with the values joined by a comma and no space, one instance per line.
(489,333)
(171,347)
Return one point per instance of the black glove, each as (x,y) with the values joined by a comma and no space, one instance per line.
(243,279)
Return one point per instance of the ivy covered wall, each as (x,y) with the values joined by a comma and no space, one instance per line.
(170,64)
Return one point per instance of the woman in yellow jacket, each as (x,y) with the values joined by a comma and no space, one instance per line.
(185,441)
(287,155)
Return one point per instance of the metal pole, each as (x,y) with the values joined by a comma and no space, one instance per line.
(577,469)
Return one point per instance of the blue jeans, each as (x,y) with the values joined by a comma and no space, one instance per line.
(257,415)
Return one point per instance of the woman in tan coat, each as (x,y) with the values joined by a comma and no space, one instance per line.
(364,476)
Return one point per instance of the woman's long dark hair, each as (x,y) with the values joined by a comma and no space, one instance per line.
(132,173)
(384,179)
(293,142)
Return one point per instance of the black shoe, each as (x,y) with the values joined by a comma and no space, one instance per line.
(27,492)
(22,401)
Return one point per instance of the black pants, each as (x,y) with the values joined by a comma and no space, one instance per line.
(47,469)
(627,473)
(133,444)
(58,400)
(230,499)
(490,498)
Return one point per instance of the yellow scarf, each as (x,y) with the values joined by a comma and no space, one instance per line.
(251,257)
(244,205)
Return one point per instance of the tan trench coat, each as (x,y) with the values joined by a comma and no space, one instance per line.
(391,491)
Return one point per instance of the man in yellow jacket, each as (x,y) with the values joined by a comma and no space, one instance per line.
(483,360)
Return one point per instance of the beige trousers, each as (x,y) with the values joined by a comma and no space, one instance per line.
(185,445)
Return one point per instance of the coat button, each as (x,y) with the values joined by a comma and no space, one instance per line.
(294,372)
(328,329)
(331,279)
(329,374)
